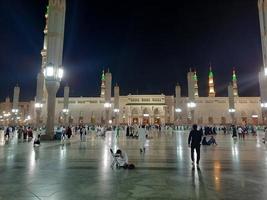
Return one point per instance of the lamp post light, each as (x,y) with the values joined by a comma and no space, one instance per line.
(178,110)
(107,105)
(191,104)
(231,110)
(15,111)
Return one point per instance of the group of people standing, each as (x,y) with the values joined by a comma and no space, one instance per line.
(24,132)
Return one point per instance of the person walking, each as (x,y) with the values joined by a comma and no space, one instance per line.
(265,135)
(194,140)
(117,131)
(142,138)
(234,132)
(240,131)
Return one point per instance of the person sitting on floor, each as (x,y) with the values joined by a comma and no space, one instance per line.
(122,158)
(37,142)
(204,141)
(212,141)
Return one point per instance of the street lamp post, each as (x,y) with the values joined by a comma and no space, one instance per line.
(53,71)
(53,75)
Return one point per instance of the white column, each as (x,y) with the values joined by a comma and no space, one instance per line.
(16,98)
(191,95)
(178,107)
(117,104)
(66,104)
(263,95)
(262,6)
(55,39)
(108,77)
(231,101)
(39,97)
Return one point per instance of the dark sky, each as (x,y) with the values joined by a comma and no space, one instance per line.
(148,45)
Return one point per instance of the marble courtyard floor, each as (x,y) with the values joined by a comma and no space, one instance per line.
(75,170)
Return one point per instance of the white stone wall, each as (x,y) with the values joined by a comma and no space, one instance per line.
(157,106)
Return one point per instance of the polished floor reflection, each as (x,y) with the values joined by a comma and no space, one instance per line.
(81,170)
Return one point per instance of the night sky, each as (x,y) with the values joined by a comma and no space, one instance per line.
(148,46)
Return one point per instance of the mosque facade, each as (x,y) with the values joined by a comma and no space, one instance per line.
(134,109)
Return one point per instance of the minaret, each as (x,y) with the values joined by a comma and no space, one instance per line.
(195,84)
(231,101)
(234,80)
(191,88)
(211,84)
(103,85)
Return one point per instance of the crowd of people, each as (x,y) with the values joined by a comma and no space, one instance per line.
(24,132)
(198,135)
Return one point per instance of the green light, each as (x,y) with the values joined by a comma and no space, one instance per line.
(195,77)
(234,77)
(47,9)
(210,74)
(103,76)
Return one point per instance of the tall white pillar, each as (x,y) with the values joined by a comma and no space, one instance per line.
(117,104)
(53,70)
(66,104)
(16,98)
(108,82)
(178,108)
(39,97)
(262,6)
(231,101)
(191,96)
(15,106)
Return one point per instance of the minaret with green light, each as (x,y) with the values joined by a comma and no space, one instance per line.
(195,84)
(103,84)
(211,84)
(234,80)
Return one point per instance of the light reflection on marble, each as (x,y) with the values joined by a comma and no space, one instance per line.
(81,170)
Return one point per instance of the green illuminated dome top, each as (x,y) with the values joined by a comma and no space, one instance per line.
(210,73)
(195,76)
(234,78)
(47,9)
(103,76)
